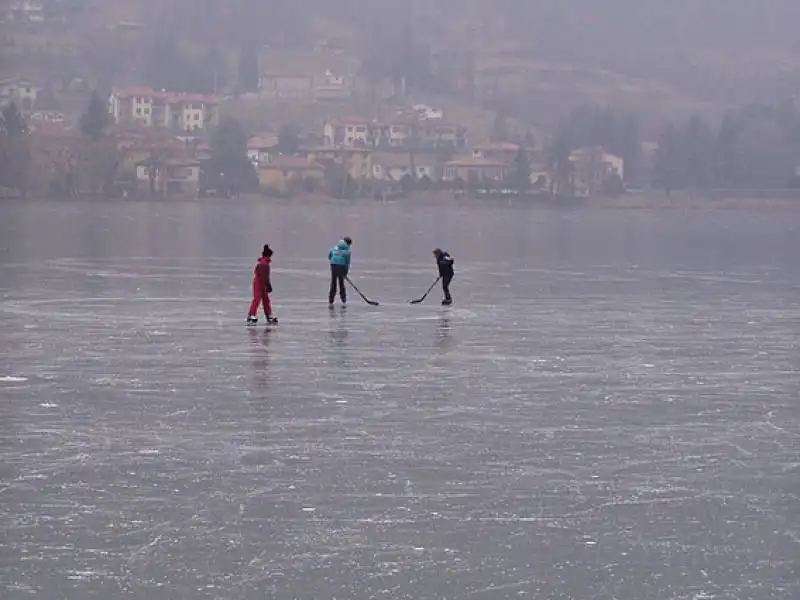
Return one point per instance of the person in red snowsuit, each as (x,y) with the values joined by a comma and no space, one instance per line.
(262,288)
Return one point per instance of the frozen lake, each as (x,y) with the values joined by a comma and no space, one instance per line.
(610,410)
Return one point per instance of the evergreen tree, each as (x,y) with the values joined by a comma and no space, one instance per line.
(229,169)
(560,166)
(15,158)
(13,125)
(46,99)
(522,171)
(289,139)
(247,70)
(499,129)
(95,118)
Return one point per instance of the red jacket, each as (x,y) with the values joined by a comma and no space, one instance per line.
(262,271)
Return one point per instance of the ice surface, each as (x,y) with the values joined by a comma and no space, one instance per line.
(609,411)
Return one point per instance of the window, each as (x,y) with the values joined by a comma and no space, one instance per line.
(138,111)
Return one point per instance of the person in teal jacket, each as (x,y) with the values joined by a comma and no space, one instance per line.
(339,258)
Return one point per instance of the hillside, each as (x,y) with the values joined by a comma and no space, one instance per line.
(532,59)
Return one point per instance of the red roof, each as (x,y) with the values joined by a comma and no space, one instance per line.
(170,97)
(290,163)
(498,146)
(475,162)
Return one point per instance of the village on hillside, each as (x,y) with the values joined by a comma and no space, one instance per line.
(164,143)
(94,103)
(308,122)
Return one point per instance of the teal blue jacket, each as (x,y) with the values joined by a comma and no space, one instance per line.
(340,254)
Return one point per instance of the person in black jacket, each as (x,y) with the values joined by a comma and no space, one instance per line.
(445,263)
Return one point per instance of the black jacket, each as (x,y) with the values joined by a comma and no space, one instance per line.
(445,264)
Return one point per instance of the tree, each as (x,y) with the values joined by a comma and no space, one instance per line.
(46,99)
(15,158)
(171,69)
(407,182)
(522,171)
(289,139)
(727,140)
(559,164)
(686,157)
(95,118)
(500,129)
(12,122)
(247,70)
(229,170)
(390,52)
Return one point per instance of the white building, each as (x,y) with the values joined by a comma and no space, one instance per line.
(148,108)
(20,91)
(26,11)
(351,132)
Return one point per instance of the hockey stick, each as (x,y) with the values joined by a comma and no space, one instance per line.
(363,297)
(425,295)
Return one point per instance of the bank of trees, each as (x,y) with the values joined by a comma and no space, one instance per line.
(751,147)
(756,147)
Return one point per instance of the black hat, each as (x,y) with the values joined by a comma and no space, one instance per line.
(267,250)
(348,240)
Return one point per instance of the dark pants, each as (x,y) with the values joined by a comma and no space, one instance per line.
(446,279)
(338,273)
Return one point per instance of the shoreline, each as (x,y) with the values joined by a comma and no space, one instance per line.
(638,201)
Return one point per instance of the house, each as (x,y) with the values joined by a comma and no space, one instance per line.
(420,112)
(286,86)
(286,173)
(428,113)
(21,92)
(540,176)
(476,170)
(441,136)
(330,87)
(502,151)
(593,168)
(25,11)
(146,107)
(356,161)
(394,166)
(260,148)
(408,132)
(350,132)
(46,116)
(168,176)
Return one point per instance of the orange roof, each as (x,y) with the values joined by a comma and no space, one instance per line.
(335,149)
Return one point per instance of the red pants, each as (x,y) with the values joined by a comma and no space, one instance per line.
(260,295)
